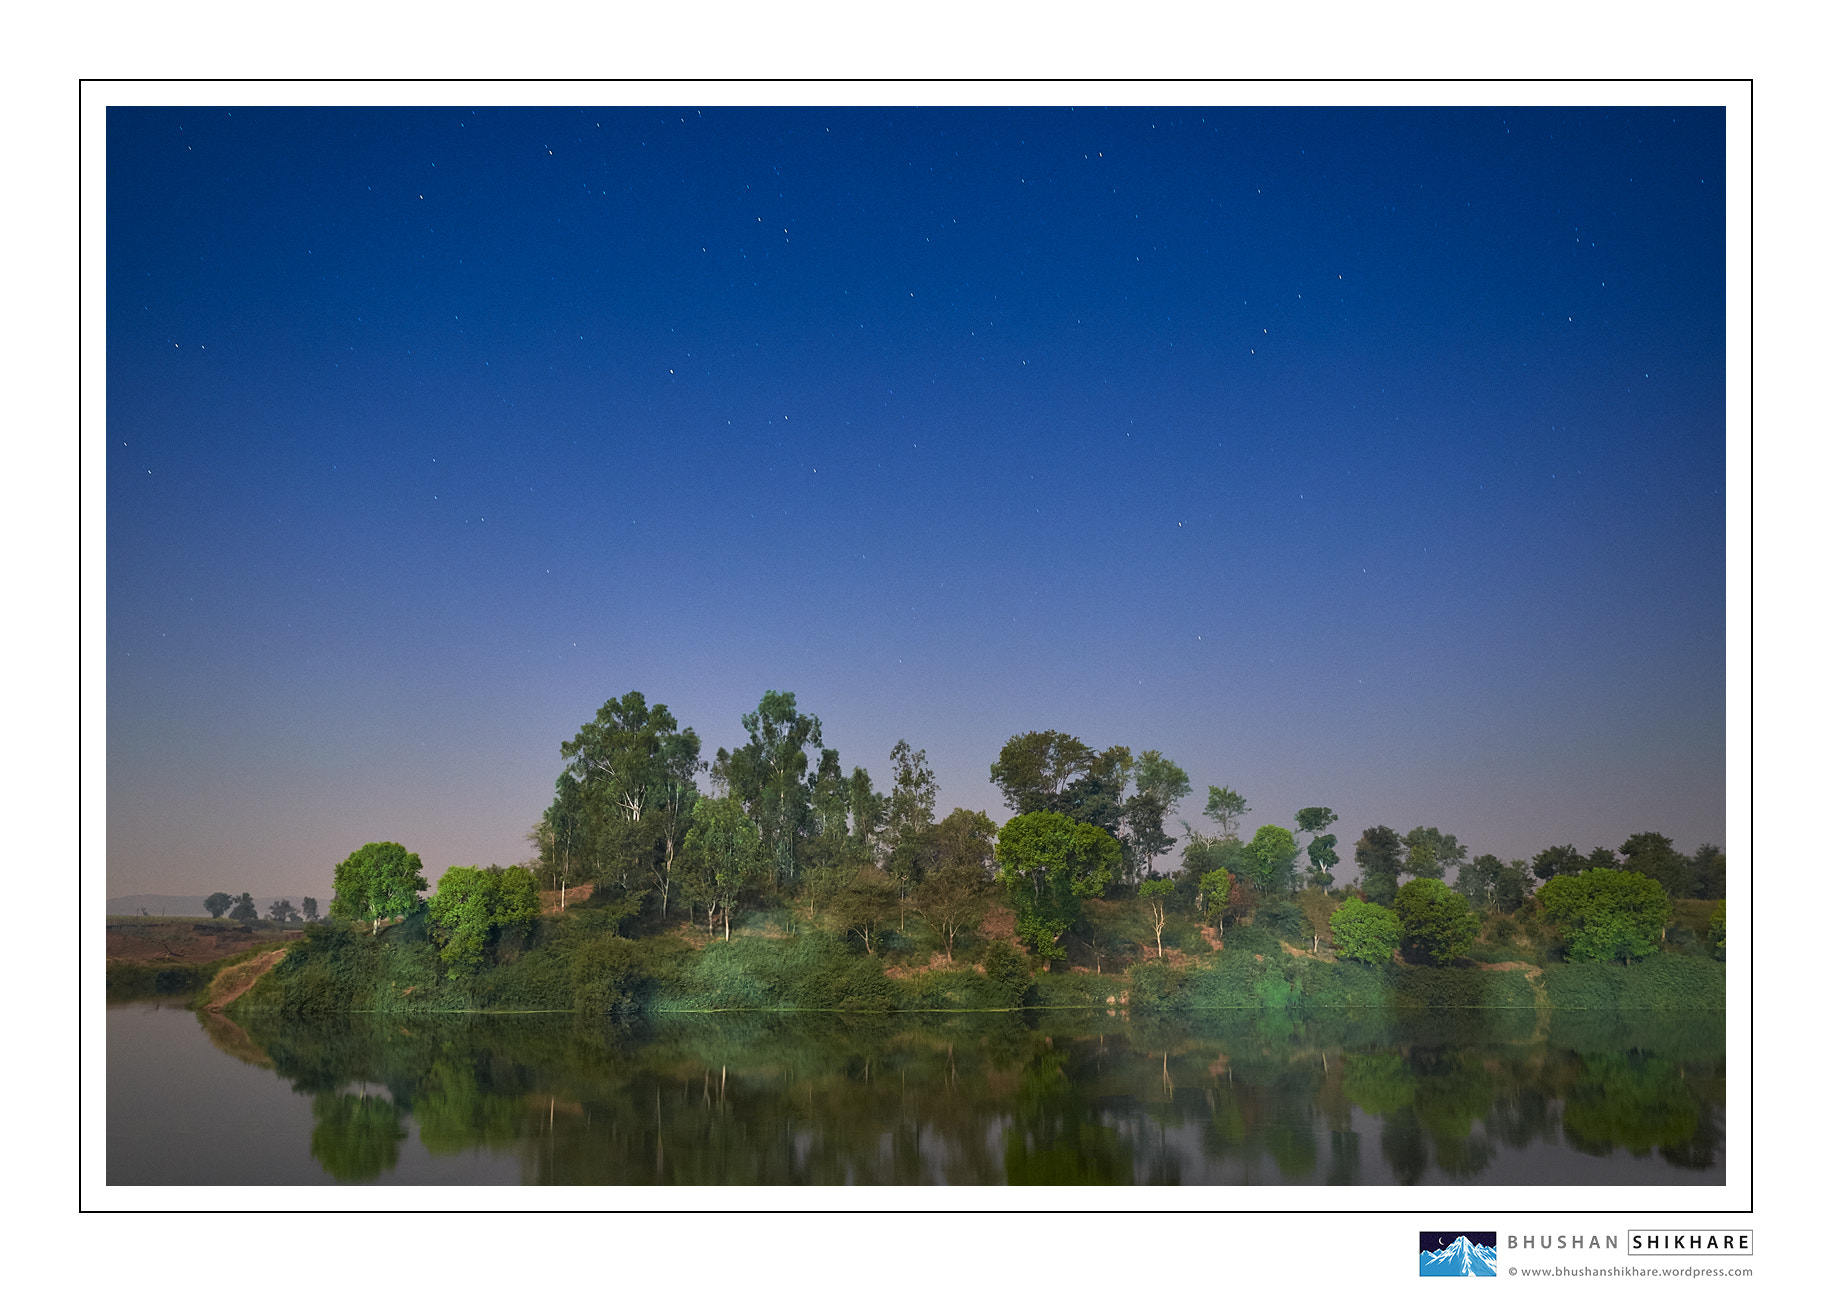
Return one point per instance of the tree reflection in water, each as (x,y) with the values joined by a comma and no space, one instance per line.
(1004,1098)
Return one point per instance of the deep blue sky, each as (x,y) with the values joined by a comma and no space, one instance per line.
(1373,459)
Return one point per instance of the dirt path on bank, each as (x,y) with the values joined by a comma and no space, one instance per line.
(236,979)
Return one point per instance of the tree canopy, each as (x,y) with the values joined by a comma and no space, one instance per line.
(1366,932)
(1225,808)
(769,775)
(379,881)
(218,903)
(1436,920)
(473,906)
(1268,858)
(1379,855)
(1606,914)
(1047,863)
(725,856)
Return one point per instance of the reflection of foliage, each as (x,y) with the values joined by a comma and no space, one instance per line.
(776,1099)
(455,1112)
(1629,1101)
(1053,1138)
(355,1137)
(1378,1084)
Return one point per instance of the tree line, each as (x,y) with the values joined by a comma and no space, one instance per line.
(281,910)
(780,824)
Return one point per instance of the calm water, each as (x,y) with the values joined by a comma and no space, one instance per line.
(1349,1099)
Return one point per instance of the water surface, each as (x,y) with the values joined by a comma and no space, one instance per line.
(1241,1098)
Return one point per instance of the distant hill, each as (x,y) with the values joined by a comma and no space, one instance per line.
(163,904)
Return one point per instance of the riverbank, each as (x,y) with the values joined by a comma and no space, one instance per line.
(159,956)
(578,963)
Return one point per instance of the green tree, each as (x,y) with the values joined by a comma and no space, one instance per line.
(1318,909)
(1717,936)
(1605,914)
(623,804)
(1215,887)
(769,775)
(1560,860)
(1036,767)
(1156,894)
(867,807)
(311,910)
(562,837)
(1436,919)
(1364,931)
(379,881)
(1322,847)
(244,909)
(1476,881)
(281,911)
(615,755)
(1159,777)
(1047,864)
(473,906)
(217,904)
(912,801)
(909,816)
(1160,786)
(952,899)
(725,856)
(1269,855)
(861,899)
(1379,855)
(1429,851)
(1225,808)
(1655,856)
(963,838)
(1708,866)
(1314,820)
(1323,861)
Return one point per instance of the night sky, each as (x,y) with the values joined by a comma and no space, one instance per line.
(1366,458)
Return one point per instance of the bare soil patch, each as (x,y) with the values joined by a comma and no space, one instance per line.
(236,979)
(575,894)
(1001,926)
(183,941)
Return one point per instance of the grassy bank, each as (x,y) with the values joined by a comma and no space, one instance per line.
(137,979)
(578,963)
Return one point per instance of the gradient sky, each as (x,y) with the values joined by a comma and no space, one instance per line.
(1367,458)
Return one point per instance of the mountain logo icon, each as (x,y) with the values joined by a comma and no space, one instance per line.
(1457,1255)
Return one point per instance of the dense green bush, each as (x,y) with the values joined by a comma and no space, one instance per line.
(1150,985)
(1365,932)
(1666,982)
(1009,974)
(1607,914)
(1284,920)
(1252,939)
(578,963)
(1437,921)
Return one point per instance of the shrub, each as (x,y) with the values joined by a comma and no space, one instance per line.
(1607,914)
(1438,924)
(1149,985)
(1363,931)
(1009,974)
(1284,920)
